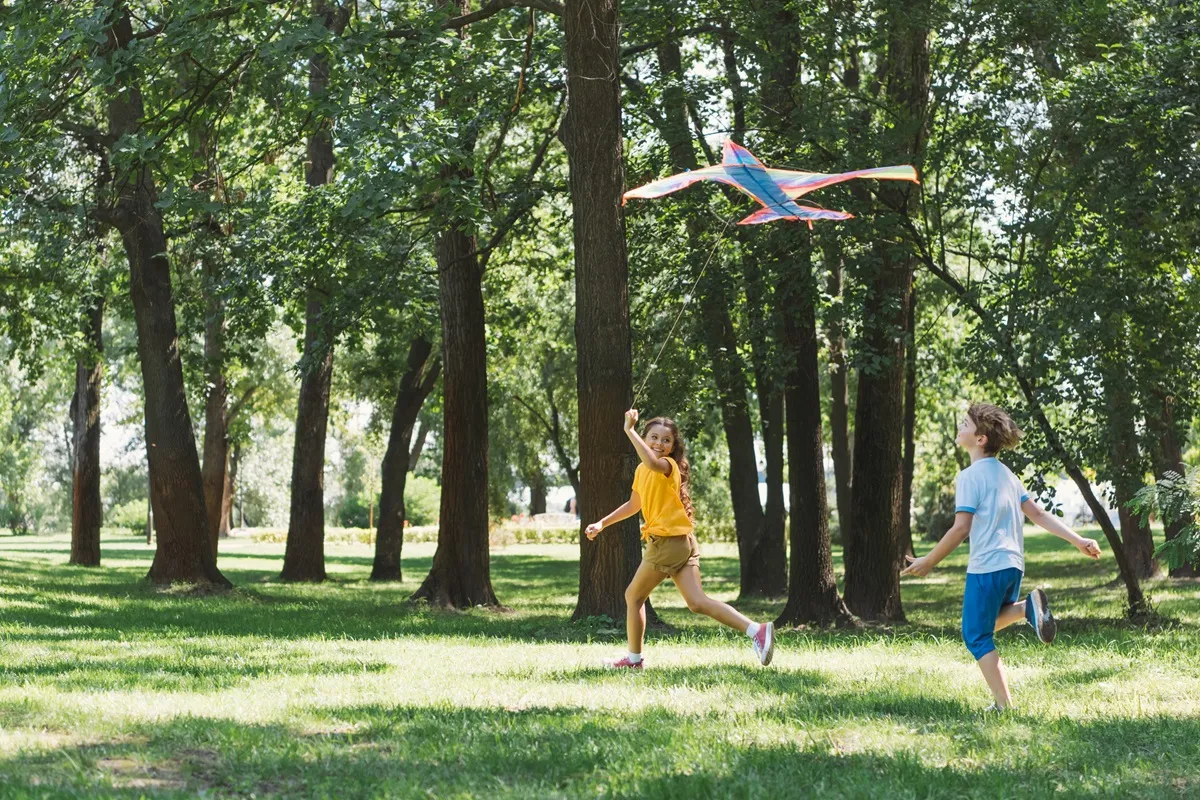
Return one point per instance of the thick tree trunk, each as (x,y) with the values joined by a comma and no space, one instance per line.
(216,434)
(812,588)
(591,132)
(461,572)
(86,509)
(415,385)
(839,394)
(304,555)
(905,540)
(176,489)
(872,560)
(721,344)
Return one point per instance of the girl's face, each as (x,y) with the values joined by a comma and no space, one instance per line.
(660,440)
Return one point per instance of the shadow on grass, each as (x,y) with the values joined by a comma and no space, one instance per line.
(407,751)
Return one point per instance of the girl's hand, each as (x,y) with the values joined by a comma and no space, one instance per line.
(631,418)
(1089,547)
(593,530)
(919,567)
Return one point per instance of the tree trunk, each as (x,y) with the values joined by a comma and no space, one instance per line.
(418,446)
(304,555)
(872,560)
(591,132)
(1127,471)
(461,572)
(721,344)
(86,509)
(231,468)
(183,553)
(216,433)
(537,494)
(1171,460)
(415,385)
(905,540)
(839,397)
(812,588)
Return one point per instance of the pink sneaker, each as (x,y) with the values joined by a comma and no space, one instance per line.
(622,663)
(764,643)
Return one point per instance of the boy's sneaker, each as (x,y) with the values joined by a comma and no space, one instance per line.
(995,709)
(622,663)
(1037,611)
(764,643)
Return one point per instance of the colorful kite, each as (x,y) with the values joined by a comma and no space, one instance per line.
(775,189)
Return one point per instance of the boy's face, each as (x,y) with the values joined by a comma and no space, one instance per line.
(660,440)
(967,436)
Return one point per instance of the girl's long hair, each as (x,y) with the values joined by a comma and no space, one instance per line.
(679,453)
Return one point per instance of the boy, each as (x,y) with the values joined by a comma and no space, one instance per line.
(988,504)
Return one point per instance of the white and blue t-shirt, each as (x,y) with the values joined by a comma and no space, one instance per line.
(991,492)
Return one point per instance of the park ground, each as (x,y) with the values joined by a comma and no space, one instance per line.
(109,688)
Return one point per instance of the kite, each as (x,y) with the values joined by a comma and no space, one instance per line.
(775,189)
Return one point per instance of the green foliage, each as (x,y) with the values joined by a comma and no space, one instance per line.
(129,516)
(1175,499)
(422,500)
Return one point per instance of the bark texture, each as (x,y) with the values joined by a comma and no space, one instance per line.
(86,509)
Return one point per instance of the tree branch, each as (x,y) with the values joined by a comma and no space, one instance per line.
(489,10)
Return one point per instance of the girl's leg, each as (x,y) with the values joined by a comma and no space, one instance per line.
(688,581)
(636,595)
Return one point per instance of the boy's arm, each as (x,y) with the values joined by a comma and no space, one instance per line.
(957,534)
(622,512)
(1048,522)
(643,450)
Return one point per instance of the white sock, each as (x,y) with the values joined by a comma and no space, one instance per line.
(752,630)
(634,658)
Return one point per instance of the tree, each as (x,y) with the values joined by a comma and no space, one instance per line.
(304,558)
(592,135)
(86,510)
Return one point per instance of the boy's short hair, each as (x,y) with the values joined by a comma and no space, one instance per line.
(995,423)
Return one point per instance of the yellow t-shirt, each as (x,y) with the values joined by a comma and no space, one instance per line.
(661,507)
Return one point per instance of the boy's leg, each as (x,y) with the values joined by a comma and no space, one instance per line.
(997,680)
(636,595)
(1010,613)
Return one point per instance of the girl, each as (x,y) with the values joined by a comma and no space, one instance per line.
(660,492)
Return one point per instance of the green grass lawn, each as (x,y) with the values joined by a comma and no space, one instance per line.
(109,688)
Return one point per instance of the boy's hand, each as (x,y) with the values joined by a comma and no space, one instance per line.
(1089,547)
(917,566)
(593,530)
(631,418)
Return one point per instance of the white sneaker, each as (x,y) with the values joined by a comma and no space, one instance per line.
(764,643)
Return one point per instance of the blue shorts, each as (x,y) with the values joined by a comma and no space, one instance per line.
(985,594)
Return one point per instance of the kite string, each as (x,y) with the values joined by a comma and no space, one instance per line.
(687,299)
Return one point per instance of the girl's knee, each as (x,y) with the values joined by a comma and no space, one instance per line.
(698,605)
(634,599)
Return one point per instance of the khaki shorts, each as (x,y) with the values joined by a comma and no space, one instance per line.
(670,554)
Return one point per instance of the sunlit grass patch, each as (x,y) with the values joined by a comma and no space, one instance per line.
(111,688)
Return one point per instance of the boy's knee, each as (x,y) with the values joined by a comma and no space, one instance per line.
(633,599)
(697,605)
(979,643)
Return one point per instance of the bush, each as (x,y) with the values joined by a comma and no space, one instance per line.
(129,516)
(422,501)
(354,512)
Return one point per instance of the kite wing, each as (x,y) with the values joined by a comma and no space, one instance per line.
(797,184)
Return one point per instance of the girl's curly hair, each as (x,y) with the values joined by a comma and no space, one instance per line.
(679,453)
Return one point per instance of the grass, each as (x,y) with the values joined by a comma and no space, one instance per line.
(109,688)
